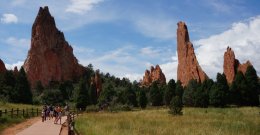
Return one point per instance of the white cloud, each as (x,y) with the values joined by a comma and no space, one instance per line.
(22,42)
(82,6)
(242,37)
(17,64)
(150,51)
(160,28)
(170,68)
(9,18)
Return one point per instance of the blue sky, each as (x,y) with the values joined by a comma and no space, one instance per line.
(126,37)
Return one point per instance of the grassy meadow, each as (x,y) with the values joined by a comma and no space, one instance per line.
(6,120)
(157,121)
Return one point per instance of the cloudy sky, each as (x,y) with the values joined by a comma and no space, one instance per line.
(125,37)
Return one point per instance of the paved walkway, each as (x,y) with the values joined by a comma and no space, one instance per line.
(43,128)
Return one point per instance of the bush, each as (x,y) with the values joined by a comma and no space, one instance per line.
(92,108)
(176,106)
(119,107)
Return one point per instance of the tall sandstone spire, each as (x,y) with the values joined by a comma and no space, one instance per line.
(2,67)
(188,66)
(231,65)
(50,57)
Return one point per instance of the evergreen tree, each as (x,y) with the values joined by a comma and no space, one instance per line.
(179,89)
(238,90)
(218,92)
(252,83)
(52,97)
(93,94)
(107,94)
(189,93)
(142,99)
(155,95)
(130,96)
(82,97)
(201,98)
(170,92)
(176,106)
(23,88)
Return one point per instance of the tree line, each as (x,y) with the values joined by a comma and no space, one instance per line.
(122,93)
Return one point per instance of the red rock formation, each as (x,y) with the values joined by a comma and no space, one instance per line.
(231,65)
(243,67)
(2,66)
(188,66)
(16,72)
(50,57)
(98,82)
(155,74)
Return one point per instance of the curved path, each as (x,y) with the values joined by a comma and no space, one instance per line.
(43,128)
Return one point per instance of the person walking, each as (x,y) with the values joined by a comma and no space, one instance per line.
(59,115)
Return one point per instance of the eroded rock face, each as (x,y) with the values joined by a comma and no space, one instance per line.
(2,66)
(155,74)
(16,72)
(98,82)
(50,57)
(188,66)
(231,65)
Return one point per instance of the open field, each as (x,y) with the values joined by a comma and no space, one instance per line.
(6,120)
(198,121)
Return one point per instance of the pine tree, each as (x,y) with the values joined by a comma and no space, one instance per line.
(82,97)
(176,106)
(252,83)
(218,92)
(189,93)
(179,89)
(170,92)
(155,95)
(23,88)
(142,99)
(93,94)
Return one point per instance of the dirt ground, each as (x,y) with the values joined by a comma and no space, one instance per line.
(19,127)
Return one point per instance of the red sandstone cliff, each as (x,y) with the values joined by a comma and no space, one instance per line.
(188,66)
(2,66)
(50,57)
(155,74)
(231,65)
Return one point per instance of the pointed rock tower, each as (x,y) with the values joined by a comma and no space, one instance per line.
(155,74)
(50,57)
(231,65)
(188,66)
(2,67)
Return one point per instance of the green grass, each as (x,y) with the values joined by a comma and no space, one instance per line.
(195,121)
(6,120)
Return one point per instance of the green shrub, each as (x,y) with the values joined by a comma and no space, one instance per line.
(176,106)
(92,108)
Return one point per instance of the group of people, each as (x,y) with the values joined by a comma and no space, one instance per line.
(49,112)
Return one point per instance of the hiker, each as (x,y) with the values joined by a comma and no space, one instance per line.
(44,109)
(59,115)
(43,115)
(51,111)
(48,112)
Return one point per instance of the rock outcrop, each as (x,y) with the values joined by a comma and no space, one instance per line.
(188,66)
(231,65)
(155,74)
(2,66)
(98,82)
(50,57)
(16,72)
